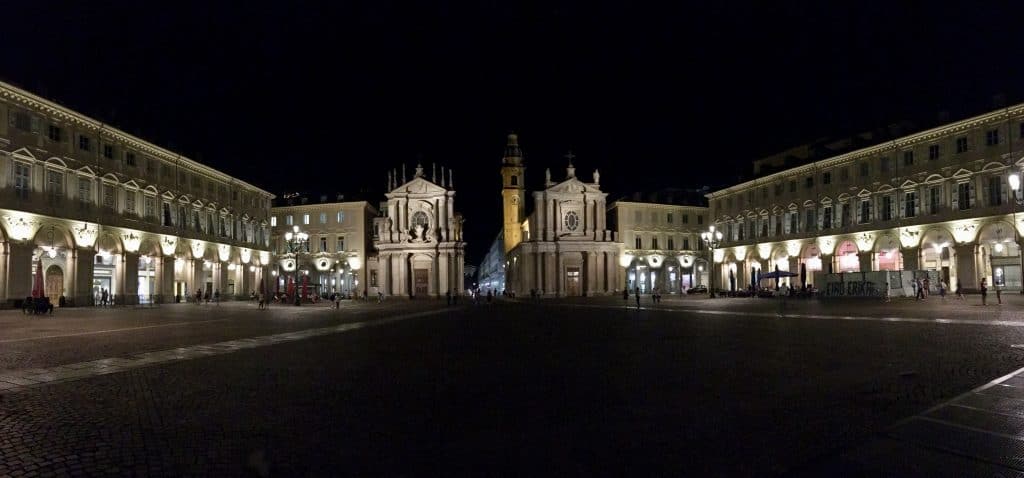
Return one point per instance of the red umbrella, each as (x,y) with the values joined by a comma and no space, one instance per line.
(37,282)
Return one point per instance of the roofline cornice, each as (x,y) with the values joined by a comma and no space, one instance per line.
(41,104)
(927,135)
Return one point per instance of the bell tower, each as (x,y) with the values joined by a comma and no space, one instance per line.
(513,193)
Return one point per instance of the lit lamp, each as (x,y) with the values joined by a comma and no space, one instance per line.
(296,240)
(711,238)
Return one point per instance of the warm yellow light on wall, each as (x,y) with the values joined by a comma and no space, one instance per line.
(827,244)
(740,253)
(169,244)
(625,260)
(246,255)
(224,252)
(719,255)
(765,251)
(793,248)
(132,240)
(198,248)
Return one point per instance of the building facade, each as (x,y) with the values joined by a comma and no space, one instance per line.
(938,200)
(334,258)
(491,276)
(563,248)
(420,251)
(661,245)
(89,208)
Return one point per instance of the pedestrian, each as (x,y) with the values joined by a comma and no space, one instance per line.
(886,292)
(959,290)
(337,300)
(380,296)
(637,297)
(625,295)
(942,289)
(984,290)
(927,283)
(999,294)
(448,297)
(103,297)
(216,297)
(261,303)
(199,297)
(920,289)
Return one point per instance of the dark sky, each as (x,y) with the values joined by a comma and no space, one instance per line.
(323,98)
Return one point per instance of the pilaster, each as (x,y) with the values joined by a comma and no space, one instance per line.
(129,279)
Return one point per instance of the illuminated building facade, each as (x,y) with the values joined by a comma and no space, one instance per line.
(661,246)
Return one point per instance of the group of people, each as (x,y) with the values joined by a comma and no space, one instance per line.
(202,297)
(655,295)
(105,298)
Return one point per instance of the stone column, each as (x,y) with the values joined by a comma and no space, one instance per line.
(911,258)
(966,266)
(865,261)
(82,261)
(220,279)
(444,273)
(18,263)
(128,288)
(165,278)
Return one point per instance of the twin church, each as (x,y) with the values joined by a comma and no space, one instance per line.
(562,247)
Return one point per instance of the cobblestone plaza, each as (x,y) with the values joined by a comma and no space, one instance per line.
(552,387)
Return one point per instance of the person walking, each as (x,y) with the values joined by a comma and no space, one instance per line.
(637,297)
(927,283)
(261,303)
(999,294)
(886,292)
(920,289)
(984,290)
(337,300)
(942,289)
(959,290)
(103,297)
(216,297)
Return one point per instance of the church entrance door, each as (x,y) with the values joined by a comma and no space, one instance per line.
(572,281)
(421,282)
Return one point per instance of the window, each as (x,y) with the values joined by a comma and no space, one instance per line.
(54,133)
(84,190)
(886,208)
(341,217)
(273,221)
(234,196)
(910,204)
(992,137)
(288,220)
(884,162)
(671,244)
(686,218)
(844,215)
(323,218)
(792,223)
(108,151)
(826,178)
(809,182)
(995,191)
(21,120)
(963,192)
(961,144)
(22,179)
(700,219)
(167,220)
(865,211)
(150,206)
(778,225)
(323,244)
(809,221)
(792,186)
(778,189)
(686,243)
(515,180)
(668,217)
(639,243)
(764,192)
(340,244)
(654,243)
(129,202)
(826,218)
(764,227)
(84,143)
(864,169)
(109,196)
(934,199)
(844,174)
(305,218)
(129,158)
(150,167)
(933,152)
(54,185)
(908,158)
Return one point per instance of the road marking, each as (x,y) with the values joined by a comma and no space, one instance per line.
(18,380)
(107,331)
(1007,323)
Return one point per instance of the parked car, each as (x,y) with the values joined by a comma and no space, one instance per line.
(699,289)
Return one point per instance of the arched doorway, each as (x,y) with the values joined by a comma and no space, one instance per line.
(937,253)
(810,263)
(54,283)
(104,273)
(1000,256)
(887,254)
(780,262)
(846,257)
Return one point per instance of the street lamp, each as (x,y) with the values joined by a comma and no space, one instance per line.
(711,238)
(296,241)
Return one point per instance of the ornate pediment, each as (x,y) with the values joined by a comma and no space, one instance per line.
(571,185)
(419,186)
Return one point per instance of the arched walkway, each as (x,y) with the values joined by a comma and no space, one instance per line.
(1000,255)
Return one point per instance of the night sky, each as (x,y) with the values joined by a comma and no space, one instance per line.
(325,98)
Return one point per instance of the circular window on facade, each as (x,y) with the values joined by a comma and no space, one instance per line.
(572,220)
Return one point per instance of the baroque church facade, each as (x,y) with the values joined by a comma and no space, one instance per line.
(563,248)
(418,238)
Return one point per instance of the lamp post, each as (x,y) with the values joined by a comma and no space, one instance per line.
(711,238)
(1014,180)
(296,241)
